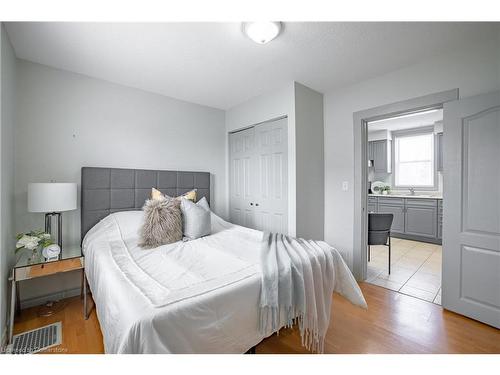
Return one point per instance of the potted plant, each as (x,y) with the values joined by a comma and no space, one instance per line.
(386,189)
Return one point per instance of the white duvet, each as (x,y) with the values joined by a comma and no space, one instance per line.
(199,296)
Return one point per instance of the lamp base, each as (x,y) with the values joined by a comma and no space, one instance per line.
(48,227)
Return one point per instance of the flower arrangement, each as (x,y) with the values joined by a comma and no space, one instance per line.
(32,240)
(385,189)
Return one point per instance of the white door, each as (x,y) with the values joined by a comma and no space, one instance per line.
(271,206)
(242,171)
(471,227)
(259,177)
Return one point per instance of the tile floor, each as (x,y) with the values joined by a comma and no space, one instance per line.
(415,269)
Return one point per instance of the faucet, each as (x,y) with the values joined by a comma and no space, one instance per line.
(412,191)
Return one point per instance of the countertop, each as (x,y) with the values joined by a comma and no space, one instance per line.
(418,196)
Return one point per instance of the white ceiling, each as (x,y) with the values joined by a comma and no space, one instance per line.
(216,65)
(400,123)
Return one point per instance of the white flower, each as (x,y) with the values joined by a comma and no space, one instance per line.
(31,245)
(45,236)
(28,242)
(23,241)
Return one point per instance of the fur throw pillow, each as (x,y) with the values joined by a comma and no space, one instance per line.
(162,223)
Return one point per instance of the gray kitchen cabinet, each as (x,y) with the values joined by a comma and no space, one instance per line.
(372,204)
(380,153)
(371,153)
(398,222)
(421,217)
(439,152)
(418,219)
(440,220)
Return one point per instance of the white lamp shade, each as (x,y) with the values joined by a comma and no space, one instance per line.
(52,197)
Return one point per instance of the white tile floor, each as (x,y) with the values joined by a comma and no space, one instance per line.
(415,269)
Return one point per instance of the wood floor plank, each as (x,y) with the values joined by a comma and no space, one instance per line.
(393,323)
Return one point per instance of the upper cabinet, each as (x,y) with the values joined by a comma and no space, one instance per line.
(439,151)
(371,154)
(380,153)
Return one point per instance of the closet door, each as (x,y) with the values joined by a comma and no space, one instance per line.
(242,177)
(271,205)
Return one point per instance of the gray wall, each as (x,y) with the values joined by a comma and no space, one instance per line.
(7,242)
(472,69)
(262,108)
(309,162)
(66,121)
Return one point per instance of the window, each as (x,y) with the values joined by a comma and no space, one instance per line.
(414,160)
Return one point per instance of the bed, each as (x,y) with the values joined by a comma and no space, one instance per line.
(199,296)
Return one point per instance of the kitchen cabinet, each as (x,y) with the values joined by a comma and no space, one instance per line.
(421,217)
(372,204)
(418,219)
(380,153)
(440,220)
(439,152)
(398,222)
(371,153)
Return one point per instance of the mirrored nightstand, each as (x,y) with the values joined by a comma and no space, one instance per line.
(29,267)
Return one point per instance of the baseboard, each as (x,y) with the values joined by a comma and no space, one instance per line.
(40,300)
(412,237)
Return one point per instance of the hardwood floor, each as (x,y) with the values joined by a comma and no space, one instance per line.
(393,323)
(79,336)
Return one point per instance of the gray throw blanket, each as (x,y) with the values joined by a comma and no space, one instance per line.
(298,280)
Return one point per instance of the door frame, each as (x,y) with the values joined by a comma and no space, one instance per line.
(360,122)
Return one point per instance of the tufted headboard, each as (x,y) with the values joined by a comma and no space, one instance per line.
(108,190)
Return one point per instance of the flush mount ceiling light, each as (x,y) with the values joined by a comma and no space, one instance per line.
(262,32)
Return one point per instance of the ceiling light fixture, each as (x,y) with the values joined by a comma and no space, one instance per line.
(262,32)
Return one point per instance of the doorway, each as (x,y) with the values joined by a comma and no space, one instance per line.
(470,230)
(361,119)
(405,185)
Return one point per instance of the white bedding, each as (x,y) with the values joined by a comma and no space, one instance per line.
(200,296)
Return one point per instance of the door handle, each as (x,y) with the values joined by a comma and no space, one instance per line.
(256,204)
(251,204)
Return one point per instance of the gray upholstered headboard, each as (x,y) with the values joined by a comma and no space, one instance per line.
(108,190)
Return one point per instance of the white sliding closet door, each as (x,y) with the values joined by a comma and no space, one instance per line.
(259,177)
(242,172)
(272,176)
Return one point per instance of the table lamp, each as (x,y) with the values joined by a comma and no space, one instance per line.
(52,198)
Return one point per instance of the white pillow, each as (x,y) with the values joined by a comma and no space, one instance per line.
(203,203)
(196,220)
